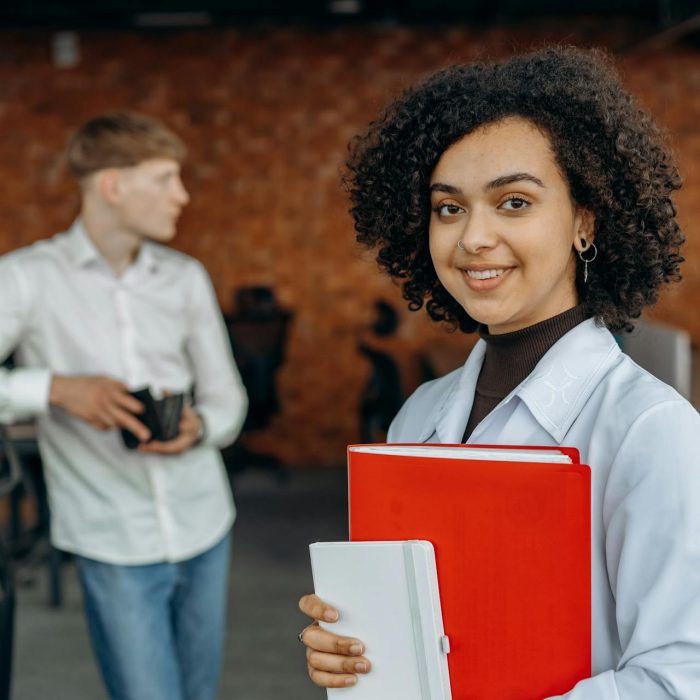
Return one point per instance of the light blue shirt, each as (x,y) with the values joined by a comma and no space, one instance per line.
(639,437)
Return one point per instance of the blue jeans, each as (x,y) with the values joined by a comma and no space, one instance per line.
(158,630)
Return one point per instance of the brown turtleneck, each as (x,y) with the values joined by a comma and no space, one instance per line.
(510,357)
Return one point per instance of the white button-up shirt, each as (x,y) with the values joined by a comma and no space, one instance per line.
(63,311)
(639,438)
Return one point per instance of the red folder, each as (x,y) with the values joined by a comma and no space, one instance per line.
(512,546)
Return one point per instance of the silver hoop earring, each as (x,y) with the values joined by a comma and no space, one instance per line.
(460,245)
(587,260)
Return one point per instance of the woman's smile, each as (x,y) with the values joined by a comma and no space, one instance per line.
(485,279)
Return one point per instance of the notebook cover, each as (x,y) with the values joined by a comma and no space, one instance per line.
(512,546)
(390,591)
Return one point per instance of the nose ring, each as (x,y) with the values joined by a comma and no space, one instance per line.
(460,245)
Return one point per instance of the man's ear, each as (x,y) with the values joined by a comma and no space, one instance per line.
(108,184)
(584,229)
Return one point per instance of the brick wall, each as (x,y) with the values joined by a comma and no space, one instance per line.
(267,115)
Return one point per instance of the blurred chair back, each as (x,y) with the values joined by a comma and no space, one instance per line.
(258,332)
(662,350)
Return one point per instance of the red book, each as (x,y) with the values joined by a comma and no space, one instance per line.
(511,532)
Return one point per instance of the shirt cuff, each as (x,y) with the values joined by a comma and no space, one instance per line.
(28,391)
(220,429)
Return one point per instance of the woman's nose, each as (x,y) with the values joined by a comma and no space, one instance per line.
(479,232)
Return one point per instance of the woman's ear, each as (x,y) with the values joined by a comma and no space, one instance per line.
(584,230)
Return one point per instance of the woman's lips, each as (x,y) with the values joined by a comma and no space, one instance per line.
(485,279)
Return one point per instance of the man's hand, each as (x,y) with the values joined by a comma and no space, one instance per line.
(188,433)
(102,402)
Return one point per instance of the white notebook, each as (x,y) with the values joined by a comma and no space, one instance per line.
(387,595)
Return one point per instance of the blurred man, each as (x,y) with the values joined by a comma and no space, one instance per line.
(91,314)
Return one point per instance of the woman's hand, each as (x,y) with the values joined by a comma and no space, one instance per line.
(333,661)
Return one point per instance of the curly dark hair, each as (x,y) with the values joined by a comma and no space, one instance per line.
(609,150)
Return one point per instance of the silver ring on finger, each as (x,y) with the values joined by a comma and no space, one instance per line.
(300,636)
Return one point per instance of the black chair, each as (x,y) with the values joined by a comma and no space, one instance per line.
(258,331)
(10,477)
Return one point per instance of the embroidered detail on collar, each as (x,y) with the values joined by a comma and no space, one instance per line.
(556,380)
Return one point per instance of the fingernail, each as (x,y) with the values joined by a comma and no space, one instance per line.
(330,615)
(350,680)
(360,667)
(355,648)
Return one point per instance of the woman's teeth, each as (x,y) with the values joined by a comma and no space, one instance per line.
(484,274)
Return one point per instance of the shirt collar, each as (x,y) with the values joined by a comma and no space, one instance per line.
(554,392)
(567,375)
(82,250)
(147,258)
(449,418)
(78,245)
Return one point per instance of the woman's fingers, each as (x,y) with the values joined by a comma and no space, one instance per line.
(331,680)
(335,663)
(314,607)
(318,639)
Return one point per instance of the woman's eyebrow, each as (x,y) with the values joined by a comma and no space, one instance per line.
(442,187)
(510,179)
(494,184)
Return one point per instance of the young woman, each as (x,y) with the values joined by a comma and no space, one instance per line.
(530,200)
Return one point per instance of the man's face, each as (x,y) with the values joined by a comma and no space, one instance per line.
(151,198)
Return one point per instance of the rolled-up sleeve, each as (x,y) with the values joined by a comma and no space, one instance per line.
(652,535)
(221,399)
(24,393)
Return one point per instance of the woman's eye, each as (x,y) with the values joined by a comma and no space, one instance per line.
(515,203)
(448,209)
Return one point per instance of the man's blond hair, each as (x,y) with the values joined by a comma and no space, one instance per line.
(119,140)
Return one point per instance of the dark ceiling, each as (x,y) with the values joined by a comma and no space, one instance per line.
(164,13)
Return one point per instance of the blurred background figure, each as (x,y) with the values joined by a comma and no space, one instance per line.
(266,96)
(395,370)
(102,319)
(383,394)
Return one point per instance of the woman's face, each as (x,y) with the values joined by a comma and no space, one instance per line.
(498,192)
